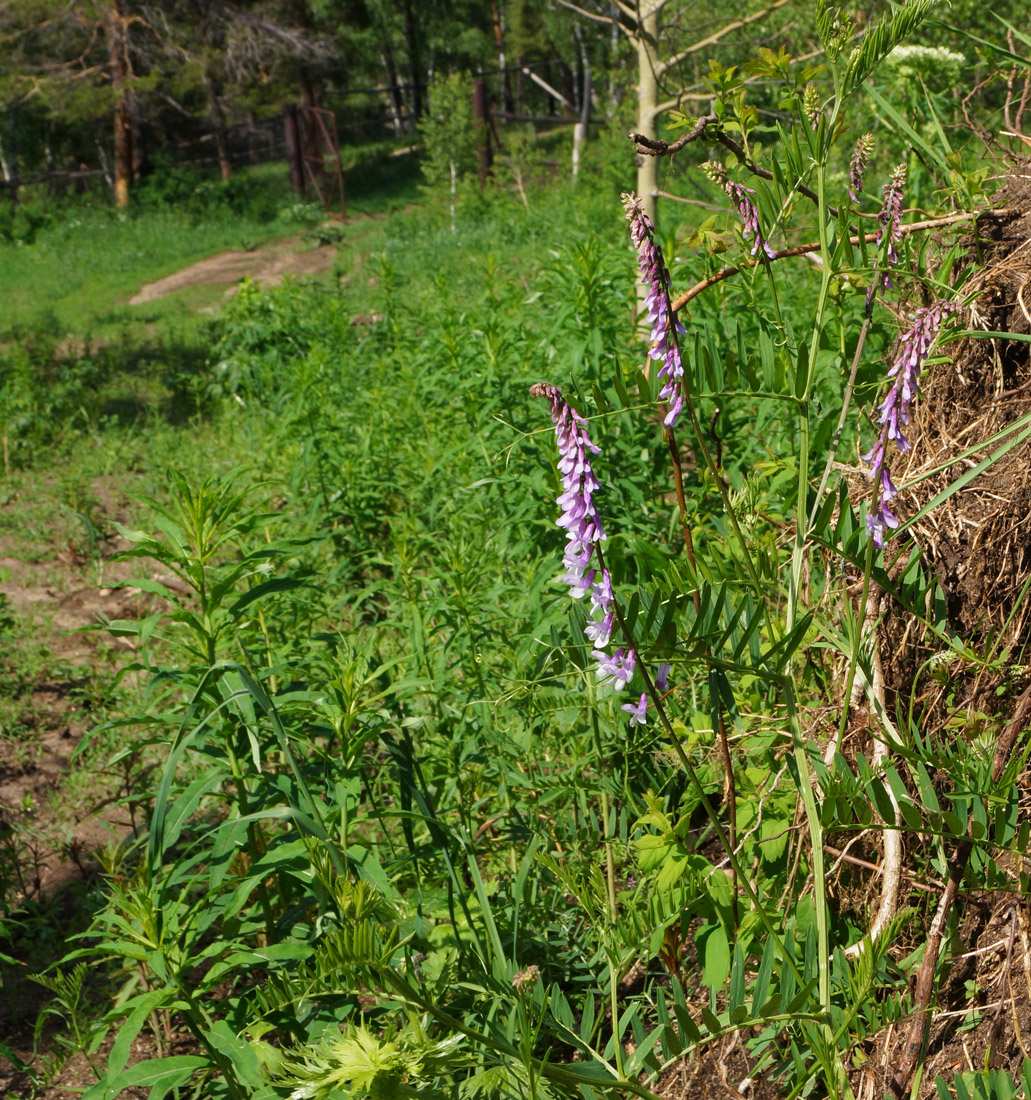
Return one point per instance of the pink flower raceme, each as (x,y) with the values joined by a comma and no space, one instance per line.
(583,529)
(857,166)
(665,326)
(912,349)
(889,220)
(579,517)
(741,197)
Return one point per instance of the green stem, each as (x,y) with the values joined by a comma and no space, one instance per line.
(254,847)
(696,782)
(610,862)
(617,1046)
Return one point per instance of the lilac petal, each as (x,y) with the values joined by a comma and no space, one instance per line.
(638,711)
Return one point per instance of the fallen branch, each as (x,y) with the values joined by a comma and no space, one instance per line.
(957,865)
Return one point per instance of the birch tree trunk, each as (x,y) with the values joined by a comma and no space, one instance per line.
(454,193)
(646,40)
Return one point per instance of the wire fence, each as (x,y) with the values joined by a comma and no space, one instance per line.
(380,113)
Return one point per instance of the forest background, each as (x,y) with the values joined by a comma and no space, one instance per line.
(310,786)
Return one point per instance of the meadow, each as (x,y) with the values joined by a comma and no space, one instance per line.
(385,811)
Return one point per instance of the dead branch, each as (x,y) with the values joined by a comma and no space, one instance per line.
(814,246)
(713,38)
(597,17)
(656,147)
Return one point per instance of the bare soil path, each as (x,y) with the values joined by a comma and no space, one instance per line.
(52,680)
(267,266)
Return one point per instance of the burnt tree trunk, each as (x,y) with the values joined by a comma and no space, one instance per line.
(140,163)
(218,123)
(118,61)
(499,41)
(291,133)
(311,138)
(481,111)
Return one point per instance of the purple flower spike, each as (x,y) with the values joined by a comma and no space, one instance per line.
(741,196)
(857,166)
(913,348)
(638,711)
(665,326)
(583,528)
(582,524)
(890,217)
(889,221)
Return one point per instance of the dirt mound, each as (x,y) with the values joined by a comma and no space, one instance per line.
(977,539)
(266,266)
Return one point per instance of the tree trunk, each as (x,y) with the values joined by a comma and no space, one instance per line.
(105,164)
(118,60)
(454,194)
(499,42)
(293,148)
(581,128)
(218,124)
(615,95)
(397,103)
(5,168)
(311,138)
(482,112)
(140,164)
(11,166)
(252,139)
(414,59)
(647,96)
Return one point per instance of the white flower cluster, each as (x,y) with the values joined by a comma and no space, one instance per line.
(924,57)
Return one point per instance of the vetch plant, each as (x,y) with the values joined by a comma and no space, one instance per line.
(584,533)
(914,346)
(744,199)
(665,325)
(857,166)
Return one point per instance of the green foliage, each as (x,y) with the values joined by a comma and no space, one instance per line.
(450,130)
(397,840)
